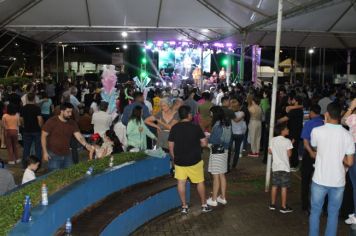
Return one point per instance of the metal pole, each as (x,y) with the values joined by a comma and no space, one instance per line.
(348,66)
(323,73)
(42,60)
(274,91)
(310,68)
(305,66)
(63,61)
(242,58)
(202,69)
(319,62)
(228,69)
(57,63)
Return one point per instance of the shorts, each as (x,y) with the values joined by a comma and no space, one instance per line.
(195,173)
(281,179)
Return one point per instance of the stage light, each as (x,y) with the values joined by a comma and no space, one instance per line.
(205,31)
(205,45)
(311,51)
(229,45)
(172,43)
(159,43)
(124,34)
(117,48)
(170,84)
(143,74)
(157,84)
(225,62)
(143,60)
(218,51)
(124,46)
(184,43)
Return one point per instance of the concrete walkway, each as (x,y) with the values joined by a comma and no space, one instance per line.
(246,213)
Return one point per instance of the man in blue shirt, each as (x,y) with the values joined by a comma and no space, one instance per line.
(309,154)
(138,101)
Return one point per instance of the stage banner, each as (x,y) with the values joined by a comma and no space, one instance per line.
(117,58)
(256,61)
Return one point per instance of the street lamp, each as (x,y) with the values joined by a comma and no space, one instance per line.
(311,52)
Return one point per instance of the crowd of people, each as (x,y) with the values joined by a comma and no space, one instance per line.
(53,121)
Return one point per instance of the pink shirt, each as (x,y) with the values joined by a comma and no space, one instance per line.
(351,123)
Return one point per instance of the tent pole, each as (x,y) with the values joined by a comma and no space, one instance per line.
(348,69)
(202,69)
(274,91)
(305,66)
(242,58)
(57,63)
(323,73)
(42,61)
(319,77)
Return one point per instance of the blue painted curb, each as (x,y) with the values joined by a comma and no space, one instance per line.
(73,199)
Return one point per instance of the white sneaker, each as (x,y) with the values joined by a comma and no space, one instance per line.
(351,220)
(211,202)
(221,200)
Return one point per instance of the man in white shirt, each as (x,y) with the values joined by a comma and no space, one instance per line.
(101,119)
(334,153)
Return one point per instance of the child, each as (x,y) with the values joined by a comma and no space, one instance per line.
(32,165)
(102,147)
(281,150)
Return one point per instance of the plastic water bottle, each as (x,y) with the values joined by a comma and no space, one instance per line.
(26,214)
(111,163)
(90,171)
(44,194)
(68,227)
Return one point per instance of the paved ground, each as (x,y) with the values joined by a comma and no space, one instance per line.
(245,214)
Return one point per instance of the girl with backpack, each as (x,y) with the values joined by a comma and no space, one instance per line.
(219,139)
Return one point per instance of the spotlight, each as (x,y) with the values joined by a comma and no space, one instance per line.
(144,61)
(311,51)
(124,34)
(124,46)
(117,48)
(205,31)
(143,74)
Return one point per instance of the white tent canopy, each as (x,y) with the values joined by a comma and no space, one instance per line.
(307,23)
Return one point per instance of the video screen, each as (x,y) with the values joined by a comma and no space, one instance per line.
(182,61)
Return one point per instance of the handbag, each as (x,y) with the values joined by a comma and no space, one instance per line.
(217,149)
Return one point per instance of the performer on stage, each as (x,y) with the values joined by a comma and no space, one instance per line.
(222,75)
(196,75)
(213,78)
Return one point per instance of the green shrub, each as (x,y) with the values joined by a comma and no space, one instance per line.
(14,80)
(11,205)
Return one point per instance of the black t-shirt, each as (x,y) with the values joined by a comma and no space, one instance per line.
(295,123)
(29,114)
(186,137)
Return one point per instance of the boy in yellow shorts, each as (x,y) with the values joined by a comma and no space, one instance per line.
(185,142)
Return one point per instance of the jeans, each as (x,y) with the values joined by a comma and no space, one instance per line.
(307,171)
(352,174)
(28,139)
(59,161)
(237,139)
(335,196)
(294,159)
(74,145)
